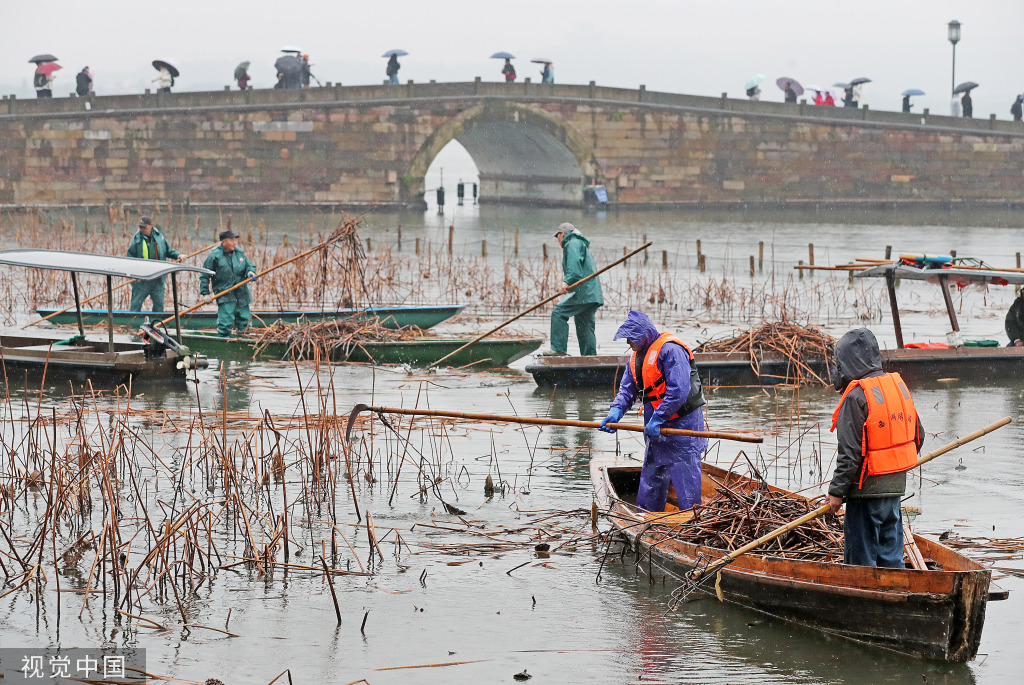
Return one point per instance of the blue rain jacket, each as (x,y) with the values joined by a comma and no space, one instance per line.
(671,449)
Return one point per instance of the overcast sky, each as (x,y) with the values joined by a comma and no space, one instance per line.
(699,48)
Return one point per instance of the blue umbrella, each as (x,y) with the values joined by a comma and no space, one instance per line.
(754,81)
(396,53)
(503,55)
(912,91)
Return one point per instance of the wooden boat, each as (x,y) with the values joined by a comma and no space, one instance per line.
(490,352)
(977,365)
(64,355)
(391,317)
(936,613)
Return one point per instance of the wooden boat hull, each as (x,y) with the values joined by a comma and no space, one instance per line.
(390,317)
(977,365)
(493,352)
(87,361)
(935,614)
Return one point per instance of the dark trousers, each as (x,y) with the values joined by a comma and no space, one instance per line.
(873,532)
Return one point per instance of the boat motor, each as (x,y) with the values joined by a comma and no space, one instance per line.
(157,342)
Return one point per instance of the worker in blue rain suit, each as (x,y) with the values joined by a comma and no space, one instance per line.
(230,266)
(672,397)
(879,435)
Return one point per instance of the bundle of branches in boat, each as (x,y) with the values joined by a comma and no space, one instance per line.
(802,345)
(733,518)
(336,339)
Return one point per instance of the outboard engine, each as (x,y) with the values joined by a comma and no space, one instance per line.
(158,342)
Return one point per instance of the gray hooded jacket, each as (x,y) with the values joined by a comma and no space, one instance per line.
(857,356)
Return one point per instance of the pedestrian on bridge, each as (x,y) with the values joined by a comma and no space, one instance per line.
(790,93)
(509,71)
(461,191)
(1017,108)
(230,267)
(577,264)
(83,82)
(968,105)
(392,70)
(149,243)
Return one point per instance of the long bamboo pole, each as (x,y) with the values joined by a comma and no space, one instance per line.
(213,298)
(540,304)
(499,418)
(824,509)
(119,286)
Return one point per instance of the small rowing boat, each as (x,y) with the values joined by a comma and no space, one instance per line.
(419,352)
(390,317)
(936,613)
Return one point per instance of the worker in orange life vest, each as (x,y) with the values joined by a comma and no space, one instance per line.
(672,397)
(879,435)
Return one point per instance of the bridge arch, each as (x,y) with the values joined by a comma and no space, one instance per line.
(524,155)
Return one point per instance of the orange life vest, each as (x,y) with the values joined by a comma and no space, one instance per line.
(890,430)
(652,381)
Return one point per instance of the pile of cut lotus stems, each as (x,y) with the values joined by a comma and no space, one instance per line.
(733,518)
(800,344)
(334,339)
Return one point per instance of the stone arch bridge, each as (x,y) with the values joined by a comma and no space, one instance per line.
(533,143)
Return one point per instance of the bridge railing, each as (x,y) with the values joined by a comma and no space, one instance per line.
(335,94)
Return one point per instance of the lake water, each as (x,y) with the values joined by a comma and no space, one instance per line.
(438,599)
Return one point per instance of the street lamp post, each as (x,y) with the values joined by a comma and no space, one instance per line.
(954,38)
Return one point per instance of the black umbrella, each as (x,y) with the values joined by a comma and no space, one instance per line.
(288,64)
(45,57)
(859,80)
(241,70)
(965,87)
(161,64)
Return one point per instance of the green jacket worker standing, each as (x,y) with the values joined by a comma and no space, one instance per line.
(879,435)
(149,243)
(230,266)
(577,264)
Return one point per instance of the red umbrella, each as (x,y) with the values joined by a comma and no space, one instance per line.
(48,68)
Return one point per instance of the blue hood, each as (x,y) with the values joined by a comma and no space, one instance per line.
(638,329)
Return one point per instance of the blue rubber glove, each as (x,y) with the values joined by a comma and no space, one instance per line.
(653,428)
(252,277)
(614,415)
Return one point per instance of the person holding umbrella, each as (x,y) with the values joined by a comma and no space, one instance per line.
(392,69)
(965,102)
(907,94)
(165,78)
(752,86)
(43,78)
(830,100)
(509,71)
(242,75)
(791,87)
(547,72)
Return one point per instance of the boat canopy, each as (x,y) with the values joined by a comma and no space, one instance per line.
(962,276)
(103,265)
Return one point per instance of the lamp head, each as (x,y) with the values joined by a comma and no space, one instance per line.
(954,32)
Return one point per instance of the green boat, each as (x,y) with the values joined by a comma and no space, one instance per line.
(488,353)
(391,317)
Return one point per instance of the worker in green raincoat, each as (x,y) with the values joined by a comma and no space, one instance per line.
(577,264)
(149,243)
(230,266)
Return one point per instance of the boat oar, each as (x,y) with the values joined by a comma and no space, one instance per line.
(540,304)
(498,418)
(824,509)
(335,237)
(119,286)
